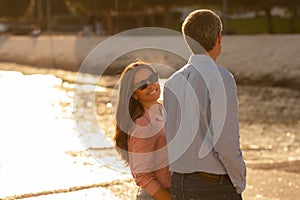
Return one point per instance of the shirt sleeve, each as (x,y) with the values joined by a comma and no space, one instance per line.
(141,158)
(227,146)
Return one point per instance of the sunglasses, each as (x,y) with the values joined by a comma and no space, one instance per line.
(141,85)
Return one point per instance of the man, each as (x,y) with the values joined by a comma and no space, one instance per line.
(202,127)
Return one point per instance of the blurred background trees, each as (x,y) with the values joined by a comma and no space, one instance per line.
(112,16)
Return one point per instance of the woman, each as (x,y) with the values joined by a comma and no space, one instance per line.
(140,134)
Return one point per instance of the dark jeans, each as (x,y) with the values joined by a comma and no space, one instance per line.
(202,186)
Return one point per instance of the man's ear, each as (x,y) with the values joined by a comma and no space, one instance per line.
(219,40)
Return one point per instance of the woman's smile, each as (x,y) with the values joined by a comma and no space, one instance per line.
(149,92)
(153,92)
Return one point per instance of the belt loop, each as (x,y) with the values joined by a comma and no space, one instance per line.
(182,186)
(221,179)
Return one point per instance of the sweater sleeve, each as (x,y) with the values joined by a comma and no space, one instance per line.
(141,157)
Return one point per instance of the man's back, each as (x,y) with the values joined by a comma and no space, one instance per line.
(190,96)
(202,118)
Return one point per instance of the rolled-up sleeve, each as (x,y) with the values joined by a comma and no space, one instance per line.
(141,158)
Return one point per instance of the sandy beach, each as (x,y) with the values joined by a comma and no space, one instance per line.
(57,166)
(47,149)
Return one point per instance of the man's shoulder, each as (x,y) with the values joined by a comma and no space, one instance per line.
(177,74)
(225,73)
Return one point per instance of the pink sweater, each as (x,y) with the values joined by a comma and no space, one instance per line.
(148,153)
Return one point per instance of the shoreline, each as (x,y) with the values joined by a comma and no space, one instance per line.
(270,60)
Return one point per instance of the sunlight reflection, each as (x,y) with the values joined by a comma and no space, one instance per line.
(37,129)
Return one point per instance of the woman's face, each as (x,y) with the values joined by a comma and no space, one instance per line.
(147,87)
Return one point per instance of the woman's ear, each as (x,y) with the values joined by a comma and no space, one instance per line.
(135,96)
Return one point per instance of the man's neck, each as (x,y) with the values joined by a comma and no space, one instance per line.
(213,54)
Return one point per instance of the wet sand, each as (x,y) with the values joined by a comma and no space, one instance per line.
(269,126)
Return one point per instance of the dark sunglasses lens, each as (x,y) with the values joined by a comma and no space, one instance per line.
(152,79)
(142,87)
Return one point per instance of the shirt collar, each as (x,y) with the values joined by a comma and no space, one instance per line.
(201,59)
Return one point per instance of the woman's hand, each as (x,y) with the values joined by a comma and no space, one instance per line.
(162,194)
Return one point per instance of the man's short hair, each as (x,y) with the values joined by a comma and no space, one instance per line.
(201,27)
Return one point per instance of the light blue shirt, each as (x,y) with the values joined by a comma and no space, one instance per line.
(202,125)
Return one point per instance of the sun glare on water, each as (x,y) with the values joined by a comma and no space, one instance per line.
(36,139)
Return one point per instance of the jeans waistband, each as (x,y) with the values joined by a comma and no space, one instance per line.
(205,176)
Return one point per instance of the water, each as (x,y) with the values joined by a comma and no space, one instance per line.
(41,152)
(39,146)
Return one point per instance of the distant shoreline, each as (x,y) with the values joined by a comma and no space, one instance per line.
(271,60)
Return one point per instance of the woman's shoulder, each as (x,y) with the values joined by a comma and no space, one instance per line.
(142,121)
(149,124)
(146,118)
